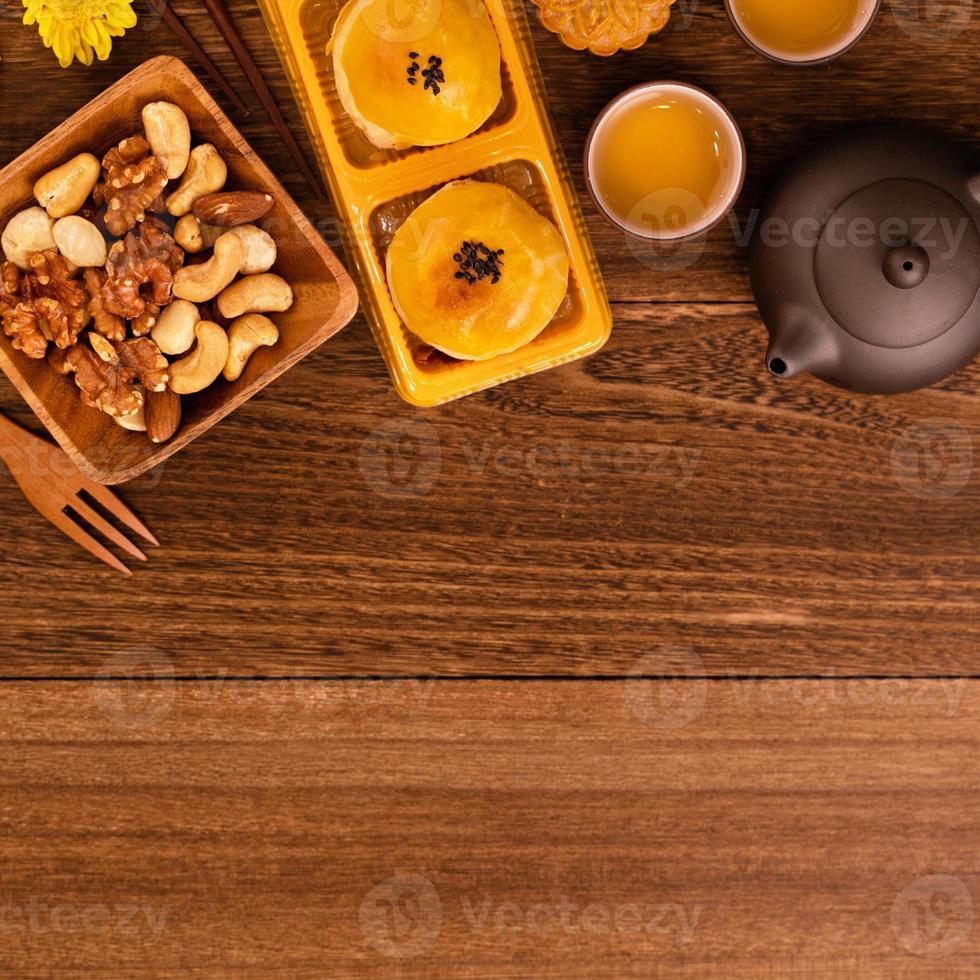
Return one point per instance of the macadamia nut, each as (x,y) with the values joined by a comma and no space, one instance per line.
(174,330)
(26,234)
(80,241)
(260,249)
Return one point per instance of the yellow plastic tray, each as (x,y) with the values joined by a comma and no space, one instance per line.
(375,190)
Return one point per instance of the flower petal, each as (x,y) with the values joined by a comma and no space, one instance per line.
(83,52)
(121,15)
(90,33)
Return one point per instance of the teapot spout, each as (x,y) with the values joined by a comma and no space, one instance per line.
(801,348)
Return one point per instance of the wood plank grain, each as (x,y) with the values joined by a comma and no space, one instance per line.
(489,829)
(665,492)
(765,528)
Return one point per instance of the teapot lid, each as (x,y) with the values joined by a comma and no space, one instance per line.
(871,244)
(898,263)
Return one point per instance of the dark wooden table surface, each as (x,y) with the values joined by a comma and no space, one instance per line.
(524,559)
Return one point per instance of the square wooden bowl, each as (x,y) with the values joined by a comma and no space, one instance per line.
(326,298)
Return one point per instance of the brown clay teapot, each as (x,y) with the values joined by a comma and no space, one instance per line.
(865,262)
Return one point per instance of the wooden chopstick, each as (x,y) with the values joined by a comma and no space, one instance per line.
(219,14)
(162,7)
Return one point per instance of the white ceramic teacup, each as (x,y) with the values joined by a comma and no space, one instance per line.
(648,217)
(825,42)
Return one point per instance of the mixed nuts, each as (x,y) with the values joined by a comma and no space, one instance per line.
(96,278)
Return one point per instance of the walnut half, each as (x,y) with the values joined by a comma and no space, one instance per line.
(107,374)
(134,182)
(42,305)
(140,275)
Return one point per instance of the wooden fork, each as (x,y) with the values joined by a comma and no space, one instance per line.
(52,483)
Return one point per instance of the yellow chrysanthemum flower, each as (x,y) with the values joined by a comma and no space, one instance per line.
(80,28)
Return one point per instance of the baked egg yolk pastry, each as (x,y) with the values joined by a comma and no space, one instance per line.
(476,272)
(416,72)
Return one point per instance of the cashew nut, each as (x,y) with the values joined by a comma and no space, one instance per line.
(265,293)
(202,282)
(193,236)
(245,336)
(79,241)
(187,234)
(174,331)
(203,365)
(206,173)
(260,249)
(27,233)
(169,135)
(63,191)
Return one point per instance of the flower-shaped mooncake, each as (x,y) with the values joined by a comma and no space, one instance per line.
(604,26)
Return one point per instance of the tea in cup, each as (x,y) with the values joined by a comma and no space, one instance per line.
(802,32)
(665,161)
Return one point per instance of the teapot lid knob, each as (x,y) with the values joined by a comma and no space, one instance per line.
(906,267)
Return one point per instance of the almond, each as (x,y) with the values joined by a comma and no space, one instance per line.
(229,209)
(161,411)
